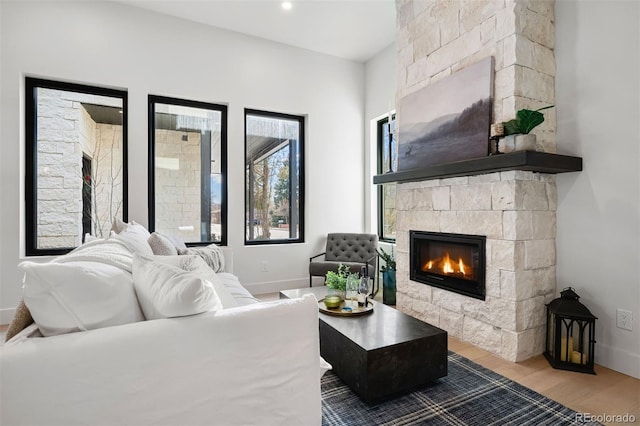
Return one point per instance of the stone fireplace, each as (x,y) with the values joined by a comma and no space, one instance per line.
(513,207)
(515,210)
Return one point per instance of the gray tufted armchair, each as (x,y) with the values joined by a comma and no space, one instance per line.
(353,250)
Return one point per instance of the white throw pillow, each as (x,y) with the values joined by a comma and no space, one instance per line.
(161,246)
(324,367)
(78,296)
(197,264)
(135,241)
(166,291)
(137,228)
(118,225)
(186,263)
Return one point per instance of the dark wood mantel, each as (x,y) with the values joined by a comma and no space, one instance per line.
(533,161)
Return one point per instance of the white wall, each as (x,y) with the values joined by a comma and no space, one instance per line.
(113,45)
(2,179)
(380,94)
(598,110)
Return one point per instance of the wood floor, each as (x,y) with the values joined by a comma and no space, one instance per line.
(607,393)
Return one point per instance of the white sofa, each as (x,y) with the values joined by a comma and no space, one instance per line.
(252,364)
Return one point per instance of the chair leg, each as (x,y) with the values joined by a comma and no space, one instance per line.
(310,281)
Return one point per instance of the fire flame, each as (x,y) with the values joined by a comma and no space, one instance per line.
(445,265)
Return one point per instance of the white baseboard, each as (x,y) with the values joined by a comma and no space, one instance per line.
(618,359)
(276,286)
(6,315)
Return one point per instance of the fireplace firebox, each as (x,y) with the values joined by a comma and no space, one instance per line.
(454,262)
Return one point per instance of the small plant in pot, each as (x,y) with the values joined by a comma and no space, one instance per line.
(388,276)
(521,126)
(337,283)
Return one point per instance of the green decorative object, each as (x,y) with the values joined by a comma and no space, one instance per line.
(526,120)
(389,260)
(332,302)
(338,280)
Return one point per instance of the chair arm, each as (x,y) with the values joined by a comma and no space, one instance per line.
(371,260)
(317,255)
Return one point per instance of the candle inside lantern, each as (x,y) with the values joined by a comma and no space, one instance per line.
(578,358)
(497,130)
(564,349)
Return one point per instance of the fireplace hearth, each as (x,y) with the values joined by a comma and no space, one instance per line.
(454,262)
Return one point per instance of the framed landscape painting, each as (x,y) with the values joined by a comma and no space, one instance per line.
(447,121)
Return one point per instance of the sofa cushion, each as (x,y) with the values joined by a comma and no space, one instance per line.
(78,296)
(212,254)
(240,294)
(166,291)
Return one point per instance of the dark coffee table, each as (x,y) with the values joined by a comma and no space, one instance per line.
(380,354)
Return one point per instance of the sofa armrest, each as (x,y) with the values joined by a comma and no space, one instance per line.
(246,365)
(228,258)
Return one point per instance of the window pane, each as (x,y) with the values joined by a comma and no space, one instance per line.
(76,163)
(388,211)
(389,147)
(387,163)
(188,144)
(273,177)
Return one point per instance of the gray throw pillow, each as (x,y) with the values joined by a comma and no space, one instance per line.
(161,246)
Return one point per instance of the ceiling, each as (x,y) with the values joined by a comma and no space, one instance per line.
(104,114)
(351,29)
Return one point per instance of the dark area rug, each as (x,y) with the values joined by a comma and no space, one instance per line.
(469,395)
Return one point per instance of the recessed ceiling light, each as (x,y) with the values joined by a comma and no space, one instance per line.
(287,5)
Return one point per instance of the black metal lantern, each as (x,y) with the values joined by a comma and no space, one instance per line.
(570,334)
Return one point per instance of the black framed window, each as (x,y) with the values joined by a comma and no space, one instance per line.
(76,163)
(274,181)
(387,163)
(188,170)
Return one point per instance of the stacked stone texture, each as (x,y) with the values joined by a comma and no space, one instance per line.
(177,191)
(437,38)
(515,210)
(66,131)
